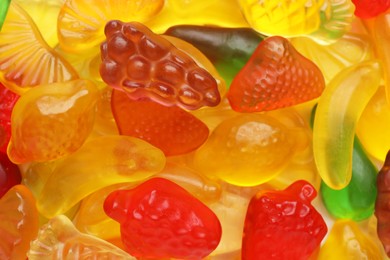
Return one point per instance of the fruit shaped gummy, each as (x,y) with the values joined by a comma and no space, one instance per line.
(51,121)
(146,65)
(248,150)
(171,129)
(347,241)
(275,76)
(370,129)
(367,9)
(25,58)
(339,108)
(9,174)
(382,206)
(100,162)
(7,103)
(59,239)
(323,19)
(159,219)
(19,222)
(228,49)
(81,22)
(283,224)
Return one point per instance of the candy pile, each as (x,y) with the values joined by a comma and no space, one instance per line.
(194,129)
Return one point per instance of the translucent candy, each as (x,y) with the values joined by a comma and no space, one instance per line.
(19,222)
(51,121)
(337,114)
(3,11)
(59,239)
(7,103)
(115,159)
(25,58)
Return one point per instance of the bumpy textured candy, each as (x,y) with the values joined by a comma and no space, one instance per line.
(144,64)
(25,58)
(59,239)
(337,113)
(370,129)
(275,76)
(81,22)
(171,129)
(51,121)
(347,241)
(228,49)
(357,200)
(283,224)
(3,11)
(19,222)
(159,219)
(9,174)
(367,9)
(115,159)
(325,19)
(247,150)
(382,206)
(7,103)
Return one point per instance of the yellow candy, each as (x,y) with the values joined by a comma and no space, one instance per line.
(51,121)
(59,239)
(346,241)
(337,114)
(101,162)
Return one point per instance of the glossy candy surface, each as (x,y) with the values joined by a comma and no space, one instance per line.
(275,76)
(367,9)
(171,129)
(7,103)
(277,219)
(159,219)
(145,65)
(9,174)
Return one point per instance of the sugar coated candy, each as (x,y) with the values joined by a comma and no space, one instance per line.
(146,65)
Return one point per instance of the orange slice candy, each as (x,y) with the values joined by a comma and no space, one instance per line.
(25,58)
(19,222)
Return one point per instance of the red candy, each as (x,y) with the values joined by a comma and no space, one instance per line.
(159,219)
(7,102)
(283,224)
(275,76)
(9,174)
(171,129)
(146,65)
(370,8)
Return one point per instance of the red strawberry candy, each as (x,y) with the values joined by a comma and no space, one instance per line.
(145,64)
(275,76)
(283,224)
(7,102)
(367,9)
(171,129)
(159,219)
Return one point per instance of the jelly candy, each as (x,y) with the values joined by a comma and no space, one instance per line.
(25,58)
(159,219)
(171,129)
(336,117)
(81,22)
(44,112)
(382,208)
(59,239)
(123,159)
(7,103)
(283,224)
(228,49)
(19,222)
(370,129)
(347,241)
(276,76)
(3,11)
(247,150)
(367,9)
(9,174)
(132,55)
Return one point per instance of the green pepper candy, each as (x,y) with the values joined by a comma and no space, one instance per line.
(4,4)
(228,49)
(357,200)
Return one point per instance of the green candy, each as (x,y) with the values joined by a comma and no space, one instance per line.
(4,4)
